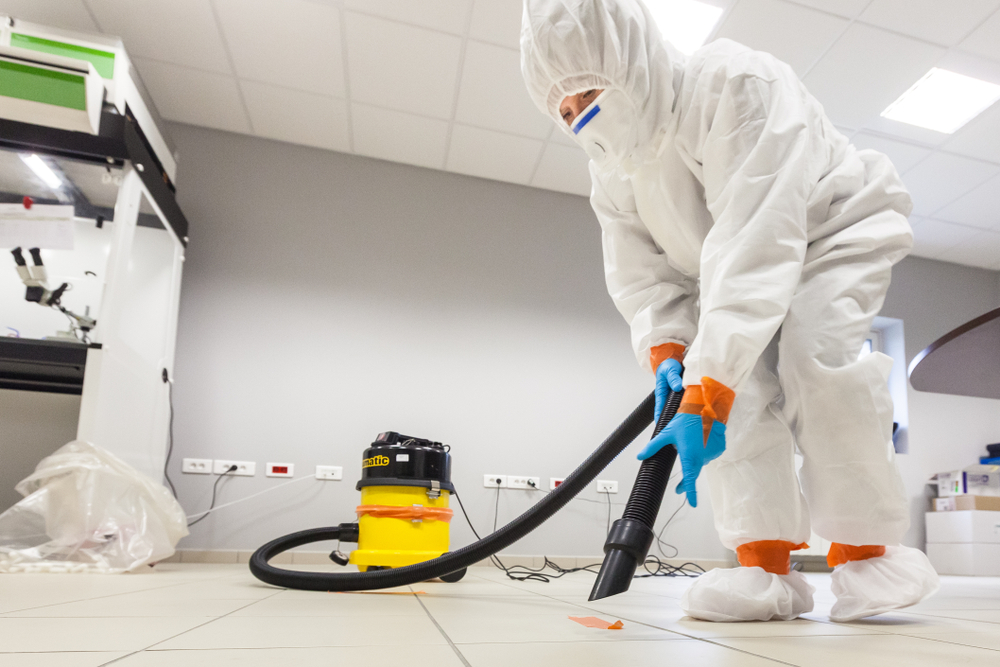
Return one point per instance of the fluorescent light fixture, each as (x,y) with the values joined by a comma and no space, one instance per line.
(685,23)
(943,101)
(42,170)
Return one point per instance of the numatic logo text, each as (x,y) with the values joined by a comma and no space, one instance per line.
(375,462)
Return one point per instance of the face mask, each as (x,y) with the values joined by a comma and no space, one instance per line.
(607,129)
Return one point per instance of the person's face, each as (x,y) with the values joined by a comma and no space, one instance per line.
(574,104)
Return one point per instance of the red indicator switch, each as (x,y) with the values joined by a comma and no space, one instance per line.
(280,470)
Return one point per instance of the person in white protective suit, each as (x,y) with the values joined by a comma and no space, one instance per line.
(745,236)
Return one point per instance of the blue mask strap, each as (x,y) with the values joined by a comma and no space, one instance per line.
(586,119)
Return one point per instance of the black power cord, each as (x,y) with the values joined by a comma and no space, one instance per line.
(653,566)
(170,431)
(215,488)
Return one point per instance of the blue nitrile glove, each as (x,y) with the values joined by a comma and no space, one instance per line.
(686,433)
(668,378)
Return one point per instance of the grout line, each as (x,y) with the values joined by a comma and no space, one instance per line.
(232,65)
(200,625)
(458,83)
(441,630)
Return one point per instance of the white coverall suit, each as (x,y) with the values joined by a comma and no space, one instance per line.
(741,224)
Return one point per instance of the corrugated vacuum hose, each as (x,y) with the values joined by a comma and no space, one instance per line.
(454,561)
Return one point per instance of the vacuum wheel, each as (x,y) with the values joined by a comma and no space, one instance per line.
(452,577)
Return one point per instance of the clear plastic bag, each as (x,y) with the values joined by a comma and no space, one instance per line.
(86,510)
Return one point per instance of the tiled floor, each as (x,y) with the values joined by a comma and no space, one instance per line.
(194,615)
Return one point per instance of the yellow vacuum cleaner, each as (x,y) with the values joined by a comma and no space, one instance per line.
(403,518)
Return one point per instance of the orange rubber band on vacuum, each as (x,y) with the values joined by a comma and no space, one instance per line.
(410,513)
(773,556)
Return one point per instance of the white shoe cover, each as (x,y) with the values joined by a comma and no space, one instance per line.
(900,578)
(748,594)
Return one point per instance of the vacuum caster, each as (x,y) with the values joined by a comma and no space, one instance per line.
(452,577)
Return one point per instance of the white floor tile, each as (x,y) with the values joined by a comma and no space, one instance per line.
(334,604)
(463,629)
(33,635)
(305,632)
(681,653)
(383,656)
(128,606)
(881,650)
(94,659)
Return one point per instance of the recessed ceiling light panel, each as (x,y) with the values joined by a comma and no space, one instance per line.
(684,23)
(42,170)
(943,101)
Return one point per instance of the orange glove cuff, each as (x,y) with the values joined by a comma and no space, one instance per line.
(773,556)
(844,553)
(718,399)
(693,401)
(661,353)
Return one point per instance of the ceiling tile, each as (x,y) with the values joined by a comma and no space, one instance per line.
(447,15)
(931,238)
(493,95)
(289,43)
(979,208)
(866,70)
(401,67)
(982,250)
(495,155)
(985,41)
(182,32)
(497,22)
(943,178)
(980,137)
(797,35)
(399,137)
(65,14)
(940,22)
(848,8)
(297,117)
(193,96)
(903,155)
(563,169)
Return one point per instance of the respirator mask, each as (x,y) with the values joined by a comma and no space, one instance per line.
(608,129)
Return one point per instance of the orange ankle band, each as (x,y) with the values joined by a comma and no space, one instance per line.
(843,553)
(773,556)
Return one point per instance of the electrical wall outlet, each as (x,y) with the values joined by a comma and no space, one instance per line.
(604,486)
(243,468)
(197,466)
(330,473)
(555,481)
(495,481)
(514,482)
(280,470)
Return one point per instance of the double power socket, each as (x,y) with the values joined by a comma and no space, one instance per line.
(517,482)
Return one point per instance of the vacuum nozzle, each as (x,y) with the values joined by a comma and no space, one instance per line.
(631,536)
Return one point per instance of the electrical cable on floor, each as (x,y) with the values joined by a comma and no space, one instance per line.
(215,488)
(653,566)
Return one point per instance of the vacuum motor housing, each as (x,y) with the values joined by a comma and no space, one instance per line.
(404,516)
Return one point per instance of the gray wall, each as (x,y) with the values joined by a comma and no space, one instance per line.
(329,297)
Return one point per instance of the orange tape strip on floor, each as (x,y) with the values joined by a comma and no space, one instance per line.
(594,622)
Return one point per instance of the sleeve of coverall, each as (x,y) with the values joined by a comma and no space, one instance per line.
(656,300)
(762,153)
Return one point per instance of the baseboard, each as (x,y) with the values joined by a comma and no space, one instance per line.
(237,556)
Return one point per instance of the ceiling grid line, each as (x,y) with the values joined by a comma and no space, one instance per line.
(93,16)
(541,153)
(232,65)
(458,84)
(832,44)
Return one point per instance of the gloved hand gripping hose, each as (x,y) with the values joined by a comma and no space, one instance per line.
(626,432)
(630,536)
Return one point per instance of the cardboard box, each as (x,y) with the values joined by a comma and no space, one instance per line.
(981,560)
(965,502)
(977,480)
